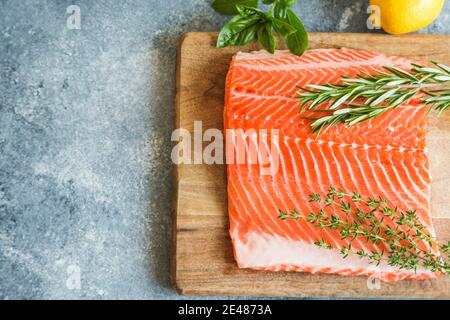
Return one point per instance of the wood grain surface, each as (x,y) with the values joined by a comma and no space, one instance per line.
(202,258)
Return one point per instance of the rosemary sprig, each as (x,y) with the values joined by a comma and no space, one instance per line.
(367,96)
(398,238)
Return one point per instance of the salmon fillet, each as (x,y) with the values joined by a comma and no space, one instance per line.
(386,157)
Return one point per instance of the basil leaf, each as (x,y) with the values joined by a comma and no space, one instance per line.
(246,11)
(228,7)
(280,8)
(266,38)
(283,2)
(251,23)
(245,36)
(297,42)
(283,28)
(236,31)
(279,11)
(287,3)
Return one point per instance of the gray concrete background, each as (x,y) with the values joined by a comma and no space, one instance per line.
(85,123)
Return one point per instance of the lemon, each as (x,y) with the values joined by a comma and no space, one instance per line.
(403,16)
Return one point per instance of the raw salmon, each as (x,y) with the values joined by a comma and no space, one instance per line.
(386,157)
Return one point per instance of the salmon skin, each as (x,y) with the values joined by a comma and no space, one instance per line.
(386,156)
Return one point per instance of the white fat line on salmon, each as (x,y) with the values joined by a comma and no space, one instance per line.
(262,251)
(377,61)
(252,147)
(293,98)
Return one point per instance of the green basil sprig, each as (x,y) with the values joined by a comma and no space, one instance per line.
(250,23)
(228,7)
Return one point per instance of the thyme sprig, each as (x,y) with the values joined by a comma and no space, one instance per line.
(367,96)
(396,237)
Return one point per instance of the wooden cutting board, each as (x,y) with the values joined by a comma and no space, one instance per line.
(202,258)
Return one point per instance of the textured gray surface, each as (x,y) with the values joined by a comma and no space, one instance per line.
(85,123)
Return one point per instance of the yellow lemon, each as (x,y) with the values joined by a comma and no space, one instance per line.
(403,16)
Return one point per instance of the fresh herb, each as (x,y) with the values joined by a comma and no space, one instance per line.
(398,237)
(228,7)
(250,23)
(368,96)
